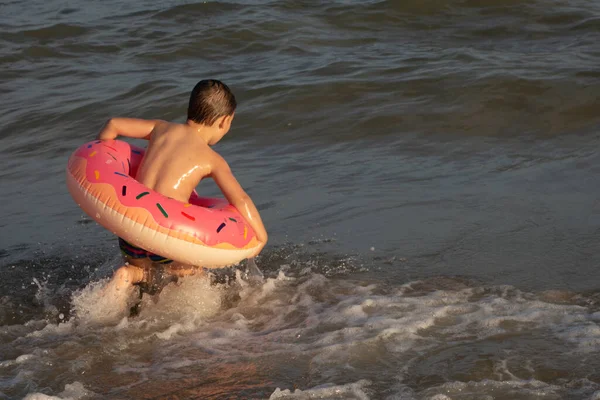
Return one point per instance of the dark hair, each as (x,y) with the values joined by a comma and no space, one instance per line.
(210,99)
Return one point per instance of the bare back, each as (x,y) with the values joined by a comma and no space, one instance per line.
(175,161)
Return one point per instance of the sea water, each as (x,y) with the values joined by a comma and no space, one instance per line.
(427,171)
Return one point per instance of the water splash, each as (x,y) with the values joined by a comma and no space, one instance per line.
(253,274)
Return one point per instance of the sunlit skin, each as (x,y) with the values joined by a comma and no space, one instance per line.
(178,157)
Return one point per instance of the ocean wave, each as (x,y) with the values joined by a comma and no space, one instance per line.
(54,32)
(193,11)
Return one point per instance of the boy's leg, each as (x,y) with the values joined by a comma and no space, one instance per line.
(126,276)
(182,270)
(158,275)
(221,275)
(123,279)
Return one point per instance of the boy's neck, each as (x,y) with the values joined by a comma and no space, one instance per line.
(201,130)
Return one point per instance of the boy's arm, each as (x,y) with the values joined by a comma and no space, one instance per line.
(130,127)
(234,193)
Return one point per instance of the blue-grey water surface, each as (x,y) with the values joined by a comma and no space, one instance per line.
(427,171)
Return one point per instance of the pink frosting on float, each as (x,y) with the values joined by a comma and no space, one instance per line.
(213,222)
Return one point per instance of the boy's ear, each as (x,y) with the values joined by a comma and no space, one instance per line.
(225,121)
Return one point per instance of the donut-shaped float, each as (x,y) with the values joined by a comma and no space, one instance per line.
(203,232)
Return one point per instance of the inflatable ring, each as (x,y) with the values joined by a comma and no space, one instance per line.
(203,232)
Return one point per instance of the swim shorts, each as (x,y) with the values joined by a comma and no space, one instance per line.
(136,252)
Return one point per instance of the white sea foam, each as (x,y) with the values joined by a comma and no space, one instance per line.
(490,389)
(595,396)
(334,337)
(350,391)
(90,305)
(73,391)
(191,299)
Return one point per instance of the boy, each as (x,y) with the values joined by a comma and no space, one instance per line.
(177,158)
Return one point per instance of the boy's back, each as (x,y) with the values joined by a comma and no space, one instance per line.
(175,161)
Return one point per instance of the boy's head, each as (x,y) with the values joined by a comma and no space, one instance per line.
(212,104)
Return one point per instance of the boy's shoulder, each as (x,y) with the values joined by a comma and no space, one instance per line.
(218,162)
